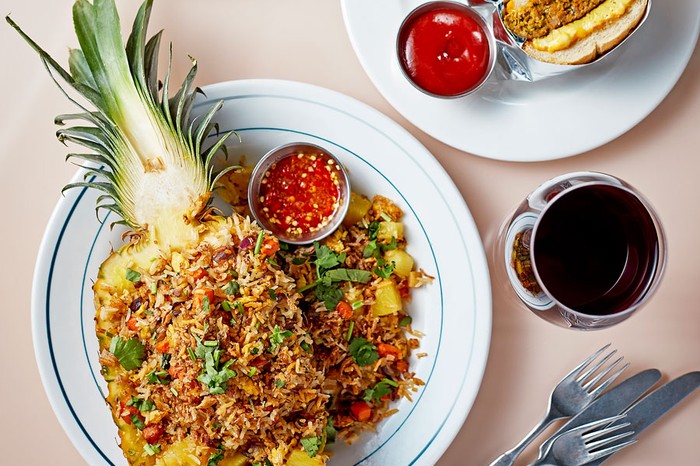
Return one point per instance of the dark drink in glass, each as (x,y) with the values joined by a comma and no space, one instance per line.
(584,250)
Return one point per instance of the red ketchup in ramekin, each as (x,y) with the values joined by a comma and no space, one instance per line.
(445,49)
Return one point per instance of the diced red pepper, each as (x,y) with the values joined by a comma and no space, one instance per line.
(344,309)
(386,349)
(152,433)
(128,411)
(361,411)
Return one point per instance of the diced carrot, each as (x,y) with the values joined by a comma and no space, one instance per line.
(176,372)
(162,346)
(361,411)
(199,294)
(270,246)
(199,273)
(401,366)
(386,349)
(344,309)
(132,324)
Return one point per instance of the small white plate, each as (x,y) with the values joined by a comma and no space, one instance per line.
(549,119)
(454,311)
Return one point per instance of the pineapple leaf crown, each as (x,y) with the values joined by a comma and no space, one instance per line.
(137,137)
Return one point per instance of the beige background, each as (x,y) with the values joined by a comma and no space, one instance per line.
(306,40)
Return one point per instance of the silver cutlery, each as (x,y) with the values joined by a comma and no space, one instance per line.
(589,442)
(612,402)
(653,406)
(574,393)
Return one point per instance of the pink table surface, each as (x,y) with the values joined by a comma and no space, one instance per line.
(306,40)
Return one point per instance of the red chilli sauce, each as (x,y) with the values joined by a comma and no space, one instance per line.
(444,51)
(300,193)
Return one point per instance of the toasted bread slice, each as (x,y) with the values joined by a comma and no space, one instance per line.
(598,42)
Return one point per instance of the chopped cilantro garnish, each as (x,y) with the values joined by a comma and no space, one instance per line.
(299,260)
(330,431)
(326,258)
(362,351)
(372,230)
(215,374)
(205,303)
(329,275)
(130,353)
(141,404)
(232,288)
(305,346)
(158,377)
(348,275)
(151,449)
(384,269)
(255,350)
(278,336)
(279,383)
(311,445)
(381,389)
(137,422)
(405,321)
(216,457)
(226,306)
(273,294)
(330,294)
(239,305)
(133,275)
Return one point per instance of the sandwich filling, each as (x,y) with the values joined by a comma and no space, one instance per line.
(567,35)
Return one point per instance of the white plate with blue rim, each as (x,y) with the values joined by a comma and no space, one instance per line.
(534,121)
(454,312)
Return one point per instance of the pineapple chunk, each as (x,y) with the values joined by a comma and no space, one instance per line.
(389,230)
(358,208)
(186,452)
(300,458)
(236,460)
(403,262)
(387,299)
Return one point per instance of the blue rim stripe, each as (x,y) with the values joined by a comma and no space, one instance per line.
(48,326)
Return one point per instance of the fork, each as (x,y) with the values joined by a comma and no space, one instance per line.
(589,442)
(576,391)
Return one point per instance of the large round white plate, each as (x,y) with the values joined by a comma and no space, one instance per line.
(454,311)
(549,119)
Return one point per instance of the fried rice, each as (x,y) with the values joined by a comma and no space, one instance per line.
(242,352)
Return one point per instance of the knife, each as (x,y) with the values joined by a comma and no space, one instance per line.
(612,402)
(647,411)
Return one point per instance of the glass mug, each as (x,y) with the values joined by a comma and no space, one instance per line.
(584,250)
